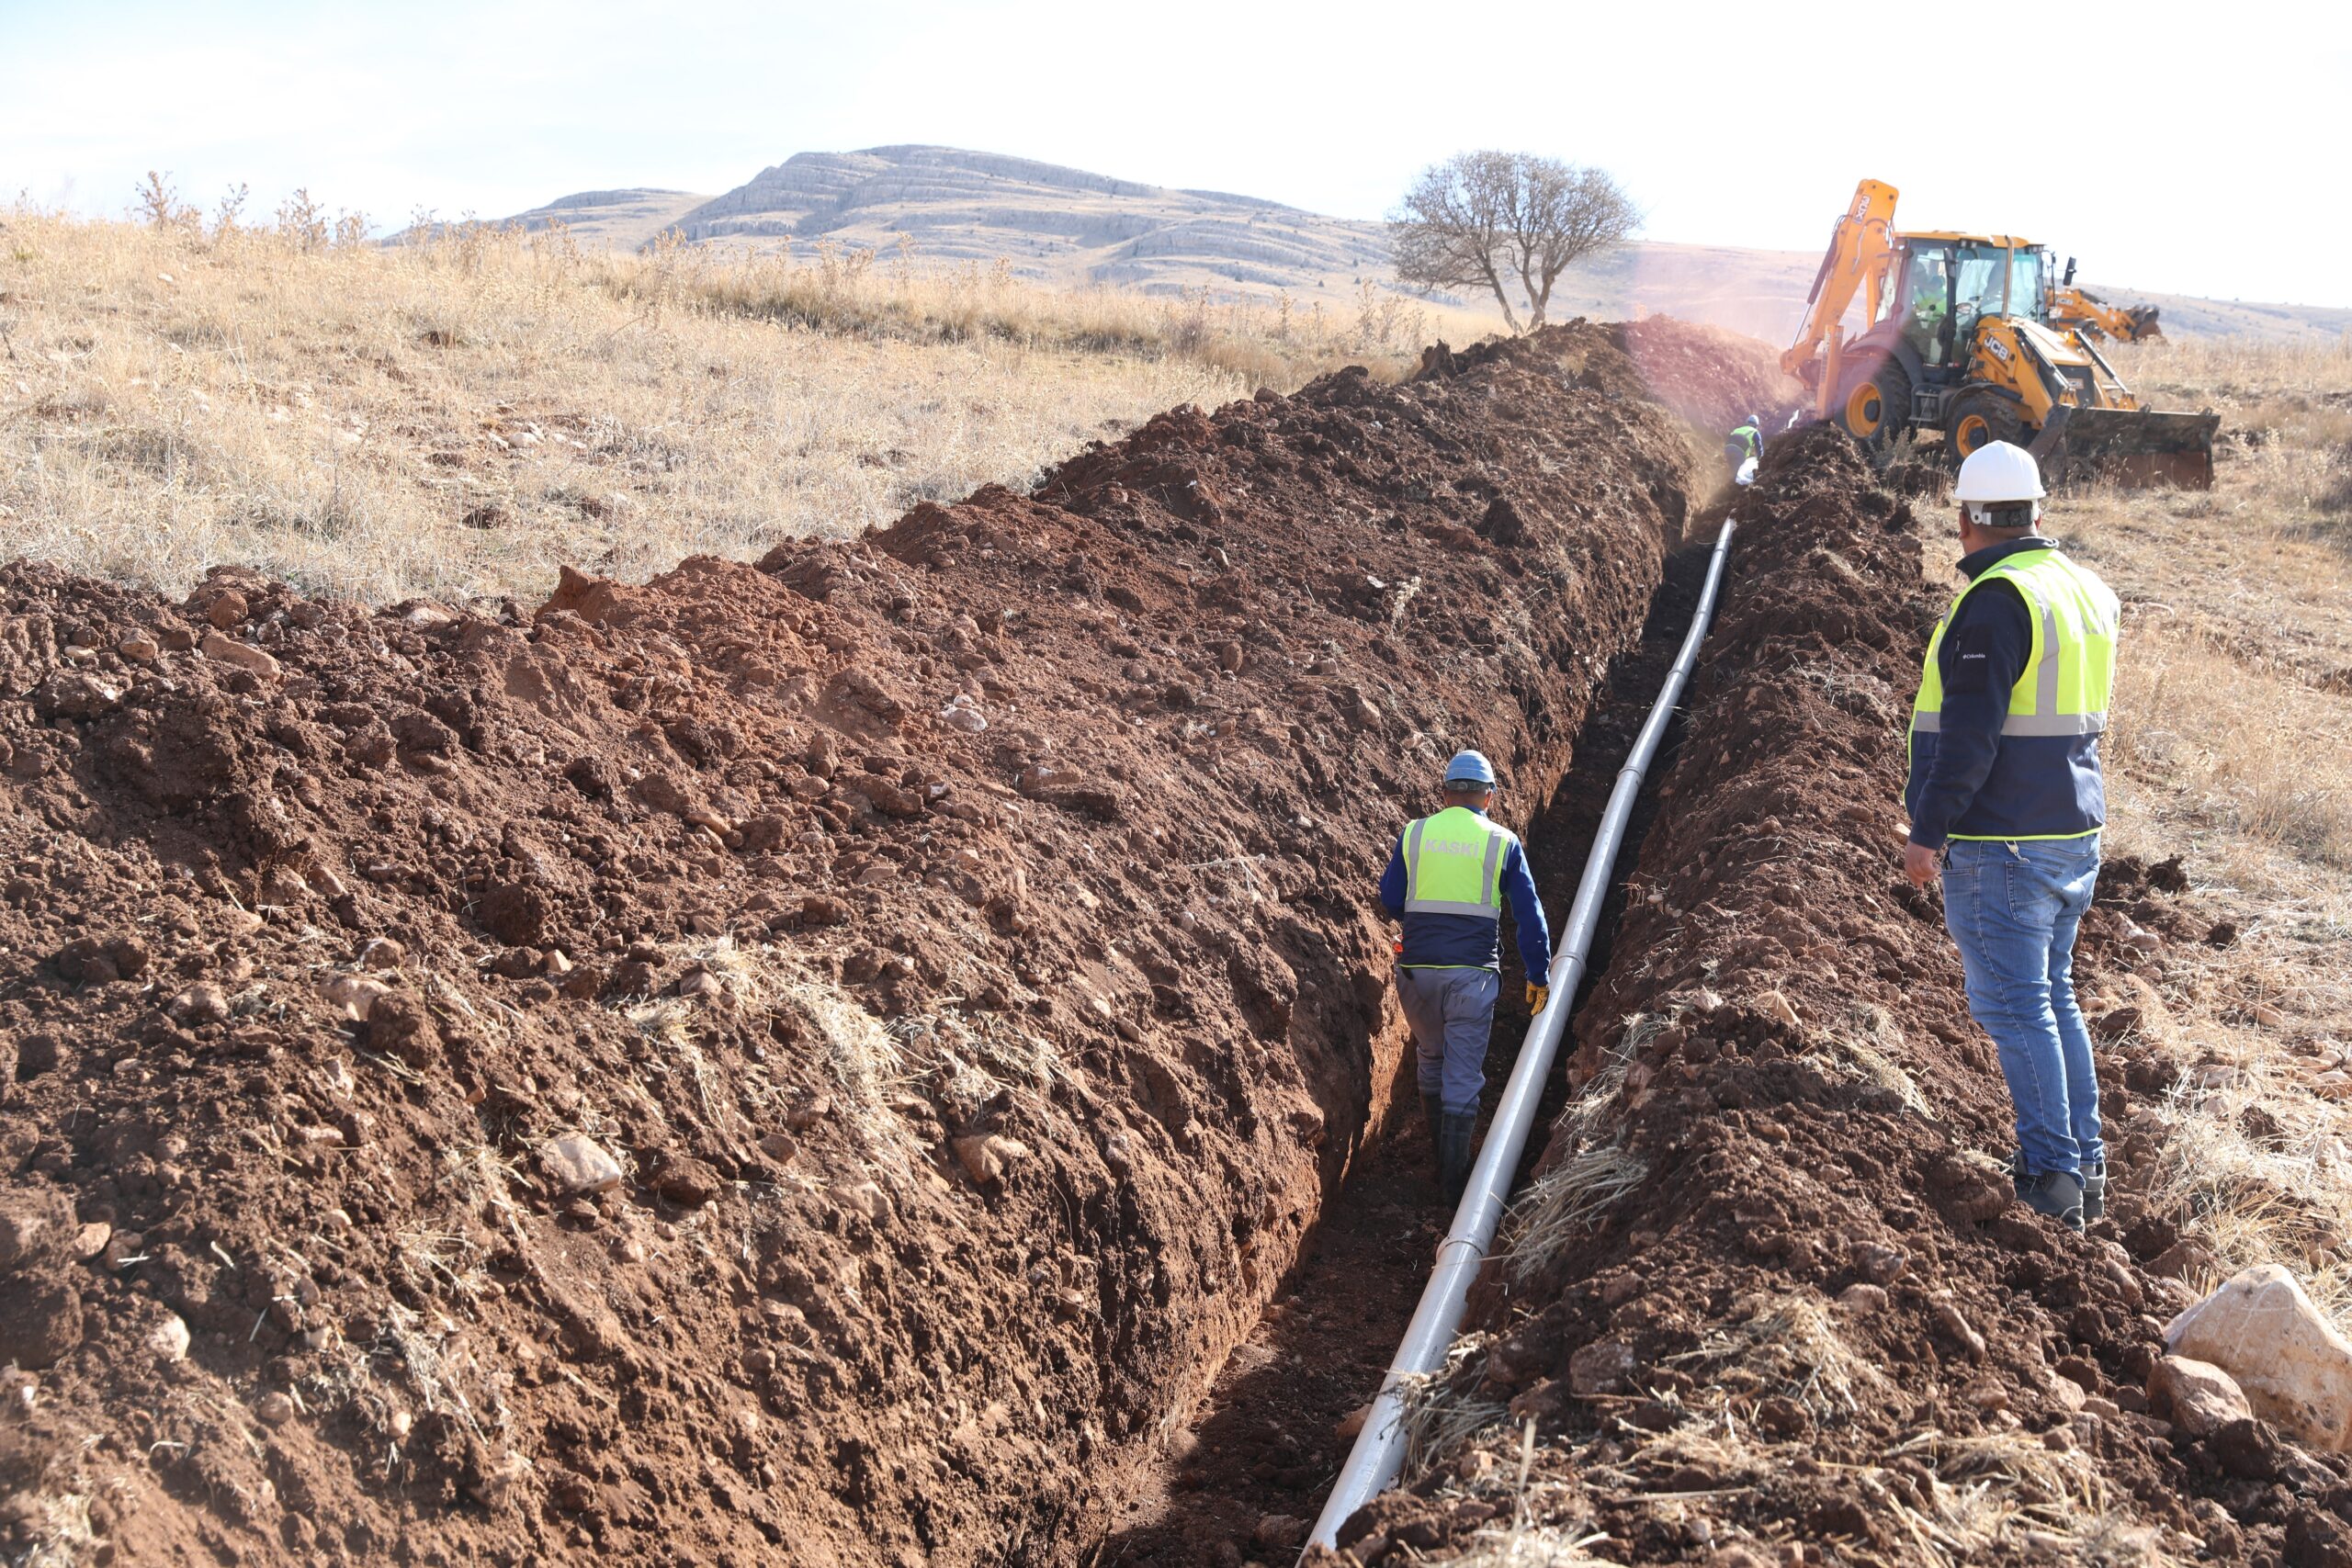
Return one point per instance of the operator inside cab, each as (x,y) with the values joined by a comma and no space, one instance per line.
(1930,305)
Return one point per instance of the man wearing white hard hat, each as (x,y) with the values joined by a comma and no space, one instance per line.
(2007,804)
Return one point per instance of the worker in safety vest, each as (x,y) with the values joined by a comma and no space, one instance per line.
(2007,804)
(1447,879)
(1745,444)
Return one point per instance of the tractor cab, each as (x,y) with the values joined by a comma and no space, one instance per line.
(1942,285)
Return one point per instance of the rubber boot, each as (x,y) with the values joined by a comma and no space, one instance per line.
(1456,1148)
(1432,1118)
(2058,1194)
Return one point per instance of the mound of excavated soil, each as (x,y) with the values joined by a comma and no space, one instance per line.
(828,1054)
(1768,1298)
(1711,378)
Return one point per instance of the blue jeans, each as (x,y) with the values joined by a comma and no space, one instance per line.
(1451,1012)
(2013,909)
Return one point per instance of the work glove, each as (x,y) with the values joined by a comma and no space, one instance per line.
(1537,996)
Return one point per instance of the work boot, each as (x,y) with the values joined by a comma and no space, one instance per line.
(1456,1148)
(1432,1114)
(2058,1194)
(2017,1174)
(2094,1192)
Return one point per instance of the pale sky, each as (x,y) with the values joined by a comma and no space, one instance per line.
(2188,149)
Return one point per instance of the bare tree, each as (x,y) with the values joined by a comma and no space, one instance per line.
(1494,220)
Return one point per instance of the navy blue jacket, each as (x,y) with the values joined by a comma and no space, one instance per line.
(1465,940)
(1969,780)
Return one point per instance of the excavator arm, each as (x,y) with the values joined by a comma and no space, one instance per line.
(1860,248)
(2085,312)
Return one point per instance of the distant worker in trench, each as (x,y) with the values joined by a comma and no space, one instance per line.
(2006,802)
(1447,880)
(1744,449)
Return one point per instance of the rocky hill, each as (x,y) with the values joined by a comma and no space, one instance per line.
(624,219)
(1060,224)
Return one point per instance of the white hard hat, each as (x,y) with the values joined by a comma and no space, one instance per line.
(1999,471)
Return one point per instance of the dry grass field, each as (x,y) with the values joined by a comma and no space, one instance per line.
(2234,746)
(455,419)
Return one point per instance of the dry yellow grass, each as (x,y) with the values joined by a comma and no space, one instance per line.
(2233,746)
(1272,340)
(2234,717)
(457,419)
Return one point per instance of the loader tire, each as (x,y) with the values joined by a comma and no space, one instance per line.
(1874,405)
(1975,420)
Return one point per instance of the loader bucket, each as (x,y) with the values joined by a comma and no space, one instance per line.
(2129,446)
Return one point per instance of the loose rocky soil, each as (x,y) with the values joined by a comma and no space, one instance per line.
(825,1057)
(1768,1299)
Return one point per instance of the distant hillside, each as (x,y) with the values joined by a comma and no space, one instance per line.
(1048,222)
(622,218)
(1071,228)
(2186,315)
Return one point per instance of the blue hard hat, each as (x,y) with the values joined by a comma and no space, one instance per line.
(1470,767)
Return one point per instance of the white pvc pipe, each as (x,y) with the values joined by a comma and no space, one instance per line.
(1379,1453)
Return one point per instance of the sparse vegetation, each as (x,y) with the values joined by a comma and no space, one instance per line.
(457,417)
(2234,746)
(2237,707)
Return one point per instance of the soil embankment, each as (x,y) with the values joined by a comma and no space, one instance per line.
(831,1054)
(1768,1298)
(1713,379)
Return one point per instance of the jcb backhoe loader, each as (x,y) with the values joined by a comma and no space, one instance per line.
(2080,310)
(1956,337)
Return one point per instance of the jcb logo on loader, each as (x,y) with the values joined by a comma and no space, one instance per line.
(1998,349)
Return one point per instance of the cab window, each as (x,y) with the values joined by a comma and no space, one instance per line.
(1980,276)
(2027,285)
(1925,300)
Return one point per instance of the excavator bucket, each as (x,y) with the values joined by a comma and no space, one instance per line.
(2143,324)
(2131,447)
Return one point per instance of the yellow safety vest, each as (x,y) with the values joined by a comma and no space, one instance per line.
(2064,688)
(1453,864)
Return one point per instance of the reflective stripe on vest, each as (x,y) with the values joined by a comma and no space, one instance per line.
(2065,684)
(1453,865)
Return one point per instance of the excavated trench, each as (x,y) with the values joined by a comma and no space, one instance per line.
(1246,1470)
(1774,1302)
(824,1055)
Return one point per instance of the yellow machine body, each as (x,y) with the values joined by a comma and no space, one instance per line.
(2080,310)
(1957,336)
